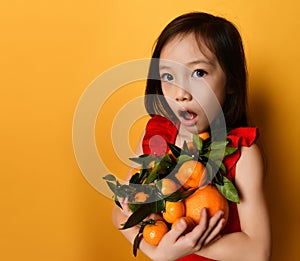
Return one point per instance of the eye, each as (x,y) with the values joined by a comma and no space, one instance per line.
(166,77)
(199,73)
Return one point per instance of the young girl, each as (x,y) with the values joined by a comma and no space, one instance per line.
(193,48)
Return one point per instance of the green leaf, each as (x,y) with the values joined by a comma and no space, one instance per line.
(134,206)
(180,195)
(175,150)
(221,166)
(209,170)
(113,187)
(138,238)
(185,147)
(135,179)
(144,211)
(206,144)
(143,175)
(198,142)
(230,150)
(228,190)
(166,161)
(110,177)
(163,167)
(124,190)
(217,154)
(203,159)
(143,159)
(183,158)
(219,145)
(136,243)
(218,179)
(153,174)
(118,203)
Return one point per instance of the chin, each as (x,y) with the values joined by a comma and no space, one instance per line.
(195,129)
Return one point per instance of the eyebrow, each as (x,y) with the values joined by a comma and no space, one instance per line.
(200,61)
(167,66)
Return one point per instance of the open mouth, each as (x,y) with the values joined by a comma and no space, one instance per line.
(188,117)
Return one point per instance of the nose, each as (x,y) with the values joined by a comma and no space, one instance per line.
(182,95)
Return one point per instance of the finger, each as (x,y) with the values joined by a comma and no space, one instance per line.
(178,229)
(212,223)
(199,231)
(215,233)
(125,206)
(203,218)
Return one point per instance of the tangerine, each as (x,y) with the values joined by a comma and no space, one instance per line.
(204,135)
(206,197)
(173,211)
(191,174)
(191,147)
(153,233)
(140,197)
(189,221)
(168,186)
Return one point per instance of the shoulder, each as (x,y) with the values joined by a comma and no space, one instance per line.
(250,169)
(250,155)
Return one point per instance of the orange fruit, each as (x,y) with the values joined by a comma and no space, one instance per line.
(168,186)
(189,221)
(134,171)
(153,233)
(191,147)
(191,174)
(204,135)
(174,210)
(206,197)
(140,197)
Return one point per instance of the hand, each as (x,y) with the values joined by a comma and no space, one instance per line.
(125,206)
(175,244)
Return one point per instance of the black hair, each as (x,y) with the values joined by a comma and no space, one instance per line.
(224,41)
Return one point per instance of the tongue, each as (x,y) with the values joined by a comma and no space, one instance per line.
(188,115)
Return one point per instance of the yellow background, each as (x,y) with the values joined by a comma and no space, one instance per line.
(49,53)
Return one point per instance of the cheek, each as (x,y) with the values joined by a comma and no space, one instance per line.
(167,90)
(220,92)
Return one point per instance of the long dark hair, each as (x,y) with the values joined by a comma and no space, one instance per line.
(224,40)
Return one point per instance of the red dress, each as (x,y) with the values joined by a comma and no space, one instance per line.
(160,130)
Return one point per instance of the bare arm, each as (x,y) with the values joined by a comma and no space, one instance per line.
(253,242)
(174,244)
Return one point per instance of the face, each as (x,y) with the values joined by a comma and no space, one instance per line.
(193,82)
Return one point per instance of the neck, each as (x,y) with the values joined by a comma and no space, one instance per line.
(183,135)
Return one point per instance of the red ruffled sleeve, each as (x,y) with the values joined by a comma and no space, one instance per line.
(159,131)
(239,137)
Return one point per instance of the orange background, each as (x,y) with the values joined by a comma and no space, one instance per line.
(49,53)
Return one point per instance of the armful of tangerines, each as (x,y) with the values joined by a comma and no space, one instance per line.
(177,185)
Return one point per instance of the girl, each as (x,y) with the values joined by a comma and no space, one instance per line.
(193,48)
